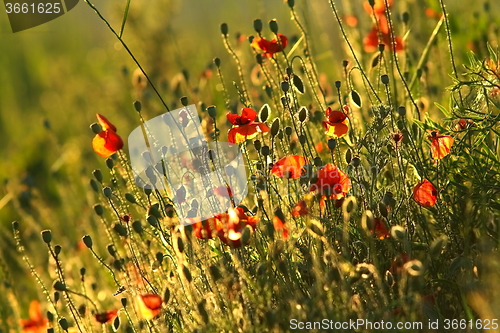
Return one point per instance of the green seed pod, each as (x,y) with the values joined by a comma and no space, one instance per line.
(348,156)
(97,175)
(405,17)
(264,113)
(318,161)
(356,161)
(338,84)
(224,29)
(212,111)
(94,186)
(124,301)
(385,79)
(257,144)
(15,225)
(180,245)
(332,144)
(57,249)
(184,100)
(382,209)
(107,191)
(288,130)
(402,111)
(137,106)
(265,150)
(59,286)
(166,296)
(246,235)
(47,236)
(110,163)
(64,324)
(273,25)
(285,86)
(82,271)
(98,209)
(217,62)
(275,127)
(57,296)
(96,128)
(130,198)
(137,227)
(82,310)
(87,240)
(257,25)
(50,316)
(120,230)
(291,3)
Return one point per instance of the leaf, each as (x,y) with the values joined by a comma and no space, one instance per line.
(355,98)
(297,82)
(443,110)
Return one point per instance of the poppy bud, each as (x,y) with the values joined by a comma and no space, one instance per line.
(257,144)
(217,62)
(50,317)
(303,114)
(212,111)
(97,175)
(368,221)
(64,324)
(345,63)
(96,128)
(120,230)
(87,240)
(184,101)
(47,236)
(124,302)
(98,209)
(187,274)
(15,225)
(317,161)
(137,106)
(57,249)
(50,330)
(265,150)
(385,79)
(82,309)
(289,71)
(371,2)
(264,113)
(288,130)
(130,198)
(338,84)
(381,48)
(273,25)
(137,226)
(57,296)
(355,161)
(246,234)
(94,185)
(348,156)
(398,232)
(275,127)
(109,163)
(405,17)
(257,25)
(152,220)
(180,245)
(224,29)
(302,139)
(59,286)
(291,3)
(332,144)
(83,270)
(382,209)
(107,191)
(259,59)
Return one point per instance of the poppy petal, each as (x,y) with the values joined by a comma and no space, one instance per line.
(441,146)
(106,143)
(105,123)
(240,134)
(150,305)
(337,130)
(289,166)
(106,317)
(425,194)
(300,209)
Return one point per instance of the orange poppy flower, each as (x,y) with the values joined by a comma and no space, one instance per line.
(149,305)
(106,316)
(106,142)
(425,194)
(440,145)
(37,323)
(379,229)
(289,166)
(244,126)
(332,182)
(371,41)
(270,47)
(300,209)
(336,123)
(378,7)
(234,221)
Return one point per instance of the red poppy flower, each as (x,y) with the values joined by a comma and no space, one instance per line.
(279,222)
(208,228)
(379,229)
(244,126)
(371,41)
(270,47)
(425,194)
(440,145)
(234,221)
(397,137)
(149,305)
(336,123)
(300,209)
(289,166)
(105,317)
(332,182)
(106,142)
(247,116)
(398,262)
(37,323)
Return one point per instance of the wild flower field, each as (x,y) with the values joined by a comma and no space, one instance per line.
(369,132)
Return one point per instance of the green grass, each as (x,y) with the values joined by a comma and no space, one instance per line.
(435,262)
